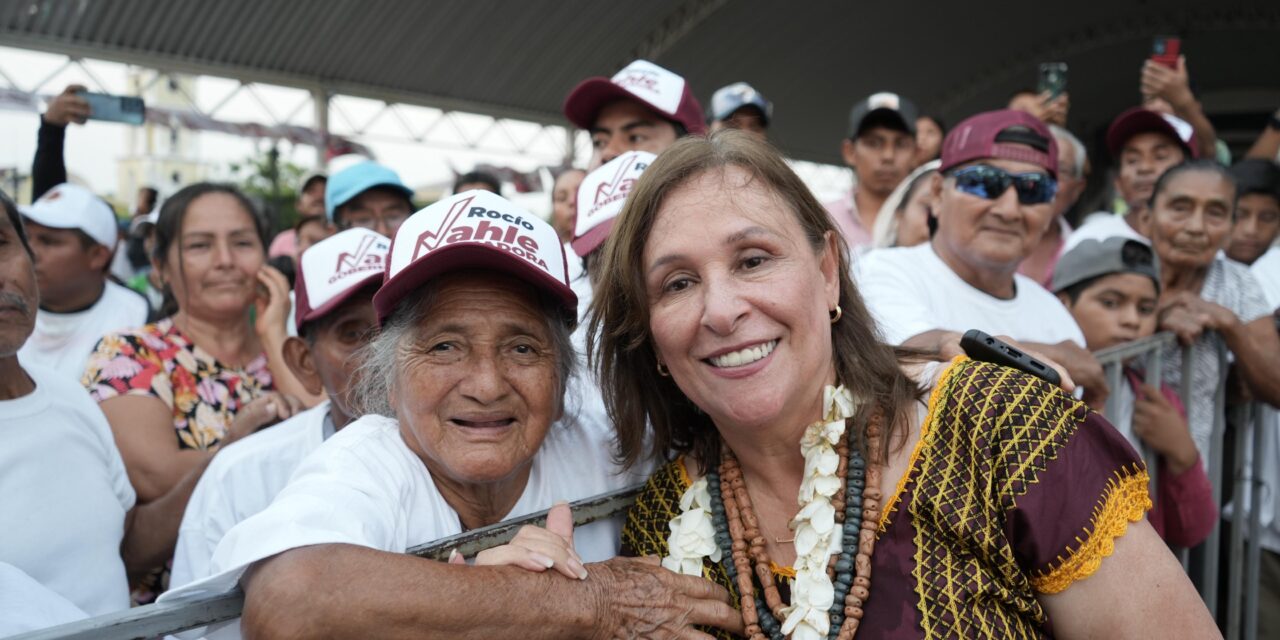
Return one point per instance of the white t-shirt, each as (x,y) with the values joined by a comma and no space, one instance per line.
(64,341)
(365,487)
(64,493)
(910,290)
(242,480)
(1100,226)
(1267,270)
(27,605)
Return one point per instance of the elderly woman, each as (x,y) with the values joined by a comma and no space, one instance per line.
(464,387)
(1210,302)
(732,335)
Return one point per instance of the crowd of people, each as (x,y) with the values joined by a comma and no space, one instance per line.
(289,413)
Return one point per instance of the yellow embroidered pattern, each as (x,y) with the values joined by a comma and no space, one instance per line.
(990,434)
(1125,500)
(892,505)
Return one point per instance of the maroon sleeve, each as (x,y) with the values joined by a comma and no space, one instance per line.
(1091,487)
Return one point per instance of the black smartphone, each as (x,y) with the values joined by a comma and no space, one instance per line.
(1053,78)
(982,347)
(126,109)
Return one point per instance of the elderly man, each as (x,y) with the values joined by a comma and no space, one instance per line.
(336,281)
(992,205)
(740,106)
(369,195)
(73,235)
(464,427)
(643,107)
(881,149)
(64,481)
(1073,172)
(1144,144)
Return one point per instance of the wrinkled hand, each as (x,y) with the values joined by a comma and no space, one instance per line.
(67,107)
(272,306)
(539,549)
(267,409)
(1188,316)
(1163,428)
(1173,85)
(637,598)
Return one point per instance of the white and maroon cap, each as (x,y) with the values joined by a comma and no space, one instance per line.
(601,196)
(70,206)
(642,81)
(475,230)
(334,269)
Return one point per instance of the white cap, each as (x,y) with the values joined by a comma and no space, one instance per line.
(331,270)
(69,206)
(475,230)
(601,196)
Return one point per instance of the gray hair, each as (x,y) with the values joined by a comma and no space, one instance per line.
(1066,137)
(379,359)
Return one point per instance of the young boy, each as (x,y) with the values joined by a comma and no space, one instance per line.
(1111,288)
(336,280)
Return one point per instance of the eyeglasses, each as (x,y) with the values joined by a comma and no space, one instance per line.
(988,182)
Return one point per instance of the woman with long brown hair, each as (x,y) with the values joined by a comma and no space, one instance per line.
(811,477)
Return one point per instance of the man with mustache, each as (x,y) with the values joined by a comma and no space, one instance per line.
(993,201)
(81,532)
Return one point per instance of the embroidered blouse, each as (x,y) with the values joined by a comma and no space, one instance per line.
(1014,489)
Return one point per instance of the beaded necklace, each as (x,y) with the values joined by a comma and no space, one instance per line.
(742,548)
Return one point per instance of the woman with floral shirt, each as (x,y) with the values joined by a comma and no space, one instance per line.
(176,390)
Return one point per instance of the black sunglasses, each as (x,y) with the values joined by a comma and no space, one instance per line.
(986,181)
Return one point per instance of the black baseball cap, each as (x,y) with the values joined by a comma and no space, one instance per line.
(883,109)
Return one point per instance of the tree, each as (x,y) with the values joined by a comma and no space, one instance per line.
(272,184)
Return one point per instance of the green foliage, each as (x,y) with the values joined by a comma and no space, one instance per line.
(273,183)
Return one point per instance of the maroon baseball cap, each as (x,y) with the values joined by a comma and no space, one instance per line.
(334,269)
(645,82)
(475,230)
(1139,120)
(1006,134)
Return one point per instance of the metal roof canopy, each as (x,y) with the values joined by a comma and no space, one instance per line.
(812,59)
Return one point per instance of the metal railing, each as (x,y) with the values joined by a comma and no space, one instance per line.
(1244,548)
(1250,421)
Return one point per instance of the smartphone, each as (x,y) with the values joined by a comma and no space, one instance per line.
(1165,50)
(126,109)
(1053,78)
(984,348)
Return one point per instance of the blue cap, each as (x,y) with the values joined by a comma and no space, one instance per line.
(355,180)
(728,99)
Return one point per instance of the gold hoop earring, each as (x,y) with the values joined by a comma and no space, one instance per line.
(835,314)
(663,370)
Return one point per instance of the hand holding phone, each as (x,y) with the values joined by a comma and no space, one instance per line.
(109,108)
(984,348)
(1053,79)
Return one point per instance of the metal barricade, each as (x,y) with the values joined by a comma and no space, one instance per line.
(1250,420)
(1244,550)
(159,619)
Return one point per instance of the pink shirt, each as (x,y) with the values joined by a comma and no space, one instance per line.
(844,212)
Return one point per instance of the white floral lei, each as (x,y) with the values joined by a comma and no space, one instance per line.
(816,539)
